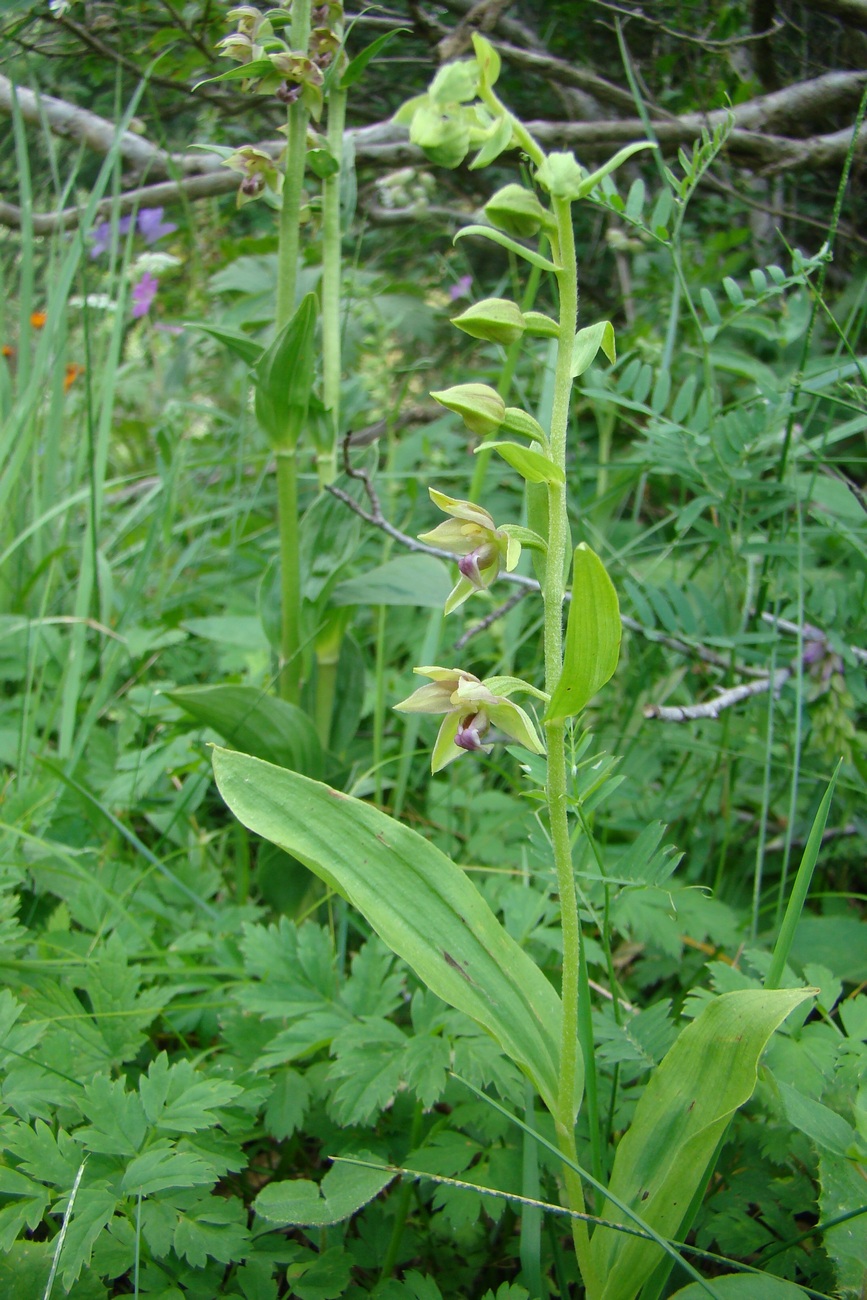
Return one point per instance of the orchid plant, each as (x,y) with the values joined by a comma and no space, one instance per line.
(420,902)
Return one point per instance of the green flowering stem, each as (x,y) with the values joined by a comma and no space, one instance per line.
(290,576)
(559,548)
(331,260)
(293,181)
(287,472)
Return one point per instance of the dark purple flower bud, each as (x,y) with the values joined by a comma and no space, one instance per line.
(287,92)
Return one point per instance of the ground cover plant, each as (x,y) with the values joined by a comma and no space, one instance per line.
(546,384)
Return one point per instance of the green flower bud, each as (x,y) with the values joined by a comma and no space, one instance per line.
(562,176)
(494,319)
(516,211)
(481,408)
(456,83)
(445,139)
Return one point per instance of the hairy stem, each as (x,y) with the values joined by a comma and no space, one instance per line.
(559,545)
(290,576)
(327,460)
(287,473)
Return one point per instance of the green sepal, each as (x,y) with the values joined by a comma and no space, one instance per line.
(588,342)
(531,465)
(592,636)
(496,320)
(512,245)
(481,407)
(517,211)
(284,378)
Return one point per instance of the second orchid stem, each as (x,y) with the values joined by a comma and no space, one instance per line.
(556,569)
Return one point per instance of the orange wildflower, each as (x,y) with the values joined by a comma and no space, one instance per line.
(38,319)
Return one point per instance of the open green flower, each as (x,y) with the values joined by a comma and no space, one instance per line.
(471,533)
(471,711)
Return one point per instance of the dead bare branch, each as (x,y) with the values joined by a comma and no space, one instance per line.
(725,699)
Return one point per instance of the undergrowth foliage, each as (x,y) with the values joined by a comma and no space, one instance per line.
(565,998)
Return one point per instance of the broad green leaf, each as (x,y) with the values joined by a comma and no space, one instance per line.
(662,1161)
(241,631)
(284,378)
(531,465)
(745,1286)
(842,1182)
(343,1191)
(257,723)
(420,580)
(592,636)
(497,236)
(588,342)
(241,344)
(356,68)
(422,905)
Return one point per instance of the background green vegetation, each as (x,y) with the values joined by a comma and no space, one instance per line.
(187,1017)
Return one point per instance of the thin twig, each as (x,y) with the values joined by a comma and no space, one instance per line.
(500,612)
(725,699)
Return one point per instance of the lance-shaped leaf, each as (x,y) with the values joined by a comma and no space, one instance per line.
(592,636)
(284,378)
(588,342)
(663,1160)
(419,902)
(497,237)
(257,723)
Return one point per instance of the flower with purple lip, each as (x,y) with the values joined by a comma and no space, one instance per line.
(151,225)
(461,288)
(143,294)
(471,708)
(471,533)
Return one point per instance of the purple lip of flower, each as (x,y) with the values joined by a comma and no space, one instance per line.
(101,235)
(470,731)
(143,294)
(151,225)
(461,289)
